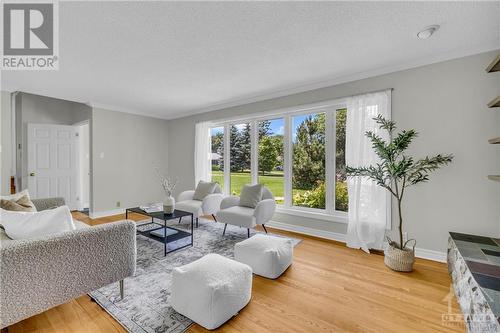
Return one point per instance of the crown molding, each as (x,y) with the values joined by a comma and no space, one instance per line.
(313,85)
(117,108)
(89,104)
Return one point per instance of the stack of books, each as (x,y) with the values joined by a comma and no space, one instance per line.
(153,208)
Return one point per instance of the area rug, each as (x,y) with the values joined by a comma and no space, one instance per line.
(146,305)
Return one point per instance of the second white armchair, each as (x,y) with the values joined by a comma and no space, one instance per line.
(231,212)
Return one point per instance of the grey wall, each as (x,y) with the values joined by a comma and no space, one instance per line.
(6,143)
(80,112)
(125,149)
(446,103)
(42,110)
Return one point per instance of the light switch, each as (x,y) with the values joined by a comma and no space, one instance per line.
(101,155)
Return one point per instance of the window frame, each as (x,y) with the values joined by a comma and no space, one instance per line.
(329,108)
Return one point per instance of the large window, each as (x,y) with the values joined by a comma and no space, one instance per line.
(298,155)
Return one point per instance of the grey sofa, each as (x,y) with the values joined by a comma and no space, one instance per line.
(40,273)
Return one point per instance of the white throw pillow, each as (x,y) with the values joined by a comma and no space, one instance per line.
(22,225)
(16,196)
(250,195)
(203,189)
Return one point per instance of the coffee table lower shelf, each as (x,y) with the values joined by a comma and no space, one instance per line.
(171,238)
(174,236)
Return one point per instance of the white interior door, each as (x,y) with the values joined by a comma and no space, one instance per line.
(53,169)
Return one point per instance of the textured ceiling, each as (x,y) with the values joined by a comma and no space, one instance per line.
(170,59)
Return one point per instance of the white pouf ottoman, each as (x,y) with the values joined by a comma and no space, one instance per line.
(268,256)
(211,290)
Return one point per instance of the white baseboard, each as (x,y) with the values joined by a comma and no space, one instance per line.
(336,236)
(96,215)
(339,237)
(430,255)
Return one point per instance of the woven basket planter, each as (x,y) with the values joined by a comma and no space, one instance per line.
(399,260)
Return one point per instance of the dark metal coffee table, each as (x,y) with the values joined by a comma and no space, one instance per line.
(164,236)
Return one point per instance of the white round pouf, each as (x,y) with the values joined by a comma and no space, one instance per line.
(268,256)
(211,290)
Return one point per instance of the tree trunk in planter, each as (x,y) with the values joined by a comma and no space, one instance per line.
(397,256)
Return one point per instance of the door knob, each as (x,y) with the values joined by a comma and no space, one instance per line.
(32,174)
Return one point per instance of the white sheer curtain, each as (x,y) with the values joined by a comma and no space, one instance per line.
(202,153)
(369,204)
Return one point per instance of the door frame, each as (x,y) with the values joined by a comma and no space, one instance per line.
(78,161)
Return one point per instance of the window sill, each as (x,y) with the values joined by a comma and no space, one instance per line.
(337,217)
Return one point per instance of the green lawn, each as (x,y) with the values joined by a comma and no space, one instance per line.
(274,181)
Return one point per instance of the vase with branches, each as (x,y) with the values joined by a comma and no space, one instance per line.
(397,171)
(168,184)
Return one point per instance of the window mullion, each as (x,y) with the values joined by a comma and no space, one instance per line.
(254,144)
(330,161)
(227,160)
(287,165)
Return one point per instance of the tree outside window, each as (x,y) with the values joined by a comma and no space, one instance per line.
(217,141)
(271,157)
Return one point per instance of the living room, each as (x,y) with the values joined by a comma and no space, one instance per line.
(250,166)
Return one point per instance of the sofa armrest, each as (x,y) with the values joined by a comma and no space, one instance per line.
(229,202)
(186,195)
(211,203)
(48,203)
(43,272)
(264,211)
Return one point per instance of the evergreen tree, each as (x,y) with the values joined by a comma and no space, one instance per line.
(240,148)
(264,128)
(234,148)
(218,147)
(245,148)
(309,153)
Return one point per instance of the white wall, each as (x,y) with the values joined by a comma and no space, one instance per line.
(446,104)
(6,143)
(125,150)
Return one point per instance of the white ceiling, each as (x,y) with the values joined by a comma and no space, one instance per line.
(170,59)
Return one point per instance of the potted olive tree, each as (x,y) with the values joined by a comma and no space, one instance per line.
(396,172)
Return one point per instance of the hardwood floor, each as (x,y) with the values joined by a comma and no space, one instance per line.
(328,288)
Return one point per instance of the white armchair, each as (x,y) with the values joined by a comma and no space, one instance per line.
(232,213)
(208,206)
